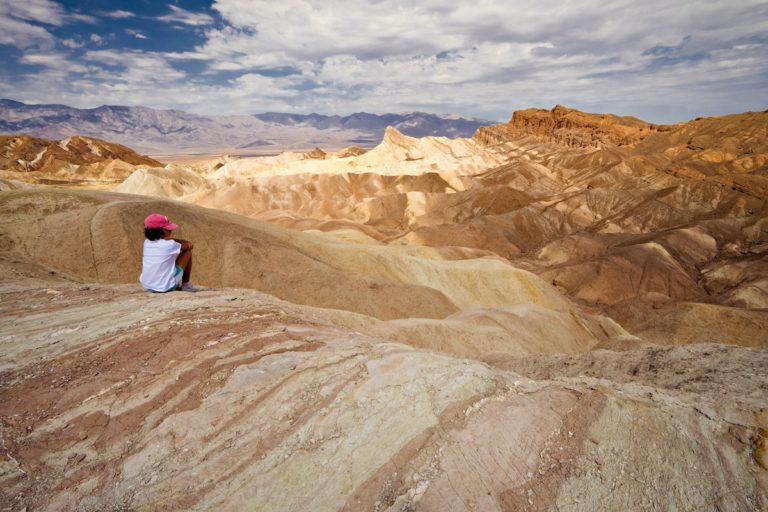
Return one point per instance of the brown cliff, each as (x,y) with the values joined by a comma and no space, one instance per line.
(571,128)
(22,153)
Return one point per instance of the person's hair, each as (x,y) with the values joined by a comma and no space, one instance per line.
(153,233)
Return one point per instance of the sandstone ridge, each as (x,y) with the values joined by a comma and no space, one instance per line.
(74,159)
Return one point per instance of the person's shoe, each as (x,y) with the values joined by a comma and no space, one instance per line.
(188,287)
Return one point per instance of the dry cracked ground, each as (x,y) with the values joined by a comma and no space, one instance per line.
(566,312)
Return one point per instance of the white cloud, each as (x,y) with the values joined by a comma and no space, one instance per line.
(72,43)
(117,14)
(53,61)
(660,60)
(135,33)
(487,57)
(185,17)
(144,69)
(19,22)
(16,29)
(17,33)
(85,18)
(41,11)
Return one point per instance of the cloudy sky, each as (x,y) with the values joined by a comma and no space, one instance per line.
(659,60)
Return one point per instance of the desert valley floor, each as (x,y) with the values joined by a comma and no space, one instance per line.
(568,311)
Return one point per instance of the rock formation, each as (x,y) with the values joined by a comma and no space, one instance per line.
(651,210)
(572,128)
(72,160)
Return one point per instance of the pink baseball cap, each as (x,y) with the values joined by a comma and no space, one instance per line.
(157,221)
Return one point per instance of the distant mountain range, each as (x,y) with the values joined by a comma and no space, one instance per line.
(157,131)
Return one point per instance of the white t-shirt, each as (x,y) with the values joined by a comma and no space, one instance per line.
(158,266)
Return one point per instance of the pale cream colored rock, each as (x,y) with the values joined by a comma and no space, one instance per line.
(290,410)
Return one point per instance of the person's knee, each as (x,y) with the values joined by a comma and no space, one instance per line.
(183,259)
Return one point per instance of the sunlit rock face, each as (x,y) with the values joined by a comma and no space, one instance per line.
(72,161)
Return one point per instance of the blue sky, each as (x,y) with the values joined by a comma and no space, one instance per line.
(661,61)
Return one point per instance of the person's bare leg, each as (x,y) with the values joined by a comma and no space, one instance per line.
(187,270)
(185,262)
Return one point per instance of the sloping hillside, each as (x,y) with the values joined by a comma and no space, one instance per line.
(103,240)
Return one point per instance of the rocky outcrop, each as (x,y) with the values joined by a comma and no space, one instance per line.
(316,154)
(571,128)
(74,159)
(24,153)
(350,151)
(115,399)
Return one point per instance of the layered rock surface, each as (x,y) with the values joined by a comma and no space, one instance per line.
(113,398)
(572,128)
(74,160)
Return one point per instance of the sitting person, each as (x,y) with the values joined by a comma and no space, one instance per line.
(167,262)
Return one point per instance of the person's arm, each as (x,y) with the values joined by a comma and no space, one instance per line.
(185,245)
